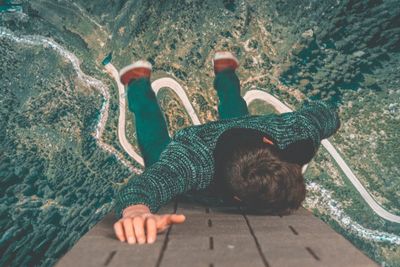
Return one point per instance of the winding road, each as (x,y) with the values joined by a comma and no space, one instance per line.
(248,97)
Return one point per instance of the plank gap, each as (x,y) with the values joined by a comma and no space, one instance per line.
(165,244)
(293,230)
(207,210)
(313,253)
(264,260)
(110,257)
(211,243)
(211,265)
(209,223)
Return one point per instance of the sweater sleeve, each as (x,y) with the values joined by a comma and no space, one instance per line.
(321,114)
(319,120)
(313,122)
(181,168)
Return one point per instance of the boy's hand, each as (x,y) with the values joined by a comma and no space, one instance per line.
(137,222)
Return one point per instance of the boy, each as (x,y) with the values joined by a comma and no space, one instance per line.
(251,160)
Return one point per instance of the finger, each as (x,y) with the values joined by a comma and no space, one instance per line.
(151,229)
(176,218)
(128,227)
(138,224)
(119,231)
(168,219)
(163,228)
(161,221)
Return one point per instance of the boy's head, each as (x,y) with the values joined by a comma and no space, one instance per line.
(261,181)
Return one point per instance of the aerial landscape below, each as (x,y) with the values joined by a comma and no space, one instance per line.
(68,143)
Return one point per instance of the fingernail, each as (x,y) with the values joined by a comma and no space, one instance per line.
(150,240)
(131,240)
(141,241)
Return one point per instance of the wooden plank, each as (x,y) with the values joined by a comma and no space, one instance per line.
(301,239)
(209,238)
(221,237)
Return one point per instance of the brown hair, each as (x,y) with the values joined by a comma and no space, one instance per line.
(263,181)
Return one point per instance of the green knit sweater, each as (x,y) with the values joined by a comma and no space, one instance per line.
(187,163)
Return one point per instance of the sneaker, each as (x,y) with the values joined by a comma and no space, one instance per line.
(138,69)
(223,60)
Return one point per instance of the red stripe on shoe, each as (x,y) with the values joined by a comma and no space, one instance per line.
(222,64)
(134,73)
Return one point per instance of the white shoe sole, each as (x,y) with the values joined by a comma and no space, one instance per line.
(137,64)
(224,55)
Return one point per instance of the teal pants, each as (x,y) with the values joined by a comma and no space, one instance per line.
(151,128)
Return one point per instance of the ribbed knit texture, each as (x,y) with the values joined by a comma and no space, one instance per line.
(187,163)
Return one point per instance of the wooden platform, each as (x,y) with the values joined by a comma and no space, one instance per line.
(214,237)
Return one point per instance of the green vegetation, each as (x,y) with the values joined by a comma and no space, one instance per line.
(175,114)
(343,55)
(55,181)
(259,107)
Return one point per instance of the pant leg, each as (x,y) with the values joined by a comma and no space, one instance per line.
(151,128)
(231,103)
